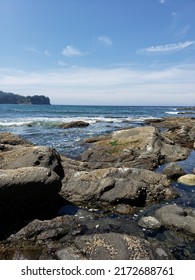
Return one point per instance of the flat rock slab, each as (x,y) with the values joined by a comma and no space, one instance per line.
(142,147)
(132,186)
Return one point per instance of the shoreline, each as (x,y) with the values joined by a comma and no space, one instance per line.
(101,181)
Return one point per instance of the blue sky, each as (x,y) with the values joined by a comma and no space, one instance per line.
(104,52)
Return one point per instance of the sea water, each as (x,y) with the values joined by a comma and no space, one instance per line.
(39,123)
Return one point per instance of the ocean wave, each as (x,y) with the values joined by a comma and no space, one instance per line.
(172,113)
(55,122)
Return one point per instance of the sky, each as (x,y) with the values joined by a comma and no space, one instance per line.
(99,52)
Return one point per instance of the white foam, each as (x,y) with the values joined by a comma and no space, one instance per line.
(172,113)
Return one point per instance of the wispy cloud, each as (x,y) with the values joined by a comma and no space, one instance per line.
(105,40)
(71,51)
(162,49)
(47,53)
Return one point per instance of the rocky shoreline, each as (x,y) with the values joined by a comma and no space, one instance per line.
(98,207)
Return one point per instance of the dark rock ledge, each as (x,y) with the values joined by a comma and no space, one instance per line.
(48,201)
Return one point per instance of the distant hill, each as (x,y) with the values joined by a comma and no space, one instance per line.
(11,98)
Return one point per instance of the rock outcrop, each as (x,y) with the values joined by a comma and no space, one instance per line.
(180,130)
(48,201)
(142,147)
(132,186)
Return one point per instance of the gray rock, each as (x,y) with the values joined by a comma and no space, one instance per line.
(143,147)
(32,156)
(177,218)
(73,124)
(124,209)
(173,171)
(149,222)
(114,246)
(192,133)
(135,187)
(11,139)
(69,253)
(178,129)
(48,229)
(25,188)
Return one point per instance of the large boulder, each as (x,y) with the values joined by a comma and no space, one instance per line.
(142,147)
(177,218)
(27,188)
(136,187)
(32,156)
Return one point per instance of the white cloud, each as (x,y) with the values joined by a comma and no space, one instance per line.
(72,51)
(122,85)
(105,40)
(167,48)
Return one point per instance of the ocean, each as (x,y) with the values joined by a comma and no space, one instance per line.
(39,123)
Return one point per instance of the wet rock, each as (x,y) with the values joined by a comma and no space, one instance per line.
(132,186)
(73,124)
(173,171)
(188,179)
(114,246)
(124,209)
(53,229)
(177,218)
(149,222)
(143,147)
